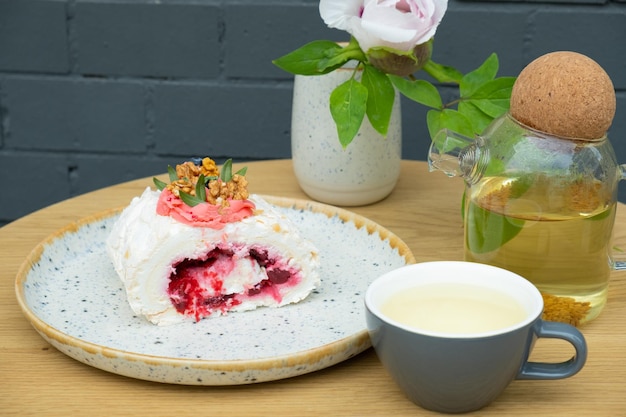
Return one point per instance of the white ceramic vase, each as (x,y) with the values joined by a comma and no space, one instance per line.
(363,173)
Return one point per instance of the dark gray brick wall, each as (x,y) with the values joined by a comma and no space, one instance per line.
(33,36)
(51,113)
(142,39)
(95,92)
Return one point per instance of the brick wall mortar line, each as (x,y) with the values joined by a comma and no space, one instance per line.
(4,117)
(529,35)
(72,42)
(221,34)
(150,117)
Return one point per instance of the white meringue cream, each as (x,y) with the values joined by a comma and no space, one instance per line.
(147,249)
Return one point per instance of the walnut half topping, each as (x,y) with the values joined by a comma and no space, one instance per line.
(235,189)
(203,182)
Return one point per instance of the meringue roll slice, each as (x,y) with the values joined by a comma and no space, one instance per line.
(178,263)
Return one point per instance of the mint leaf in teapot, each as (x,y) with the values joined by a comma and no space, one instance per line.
(492,229)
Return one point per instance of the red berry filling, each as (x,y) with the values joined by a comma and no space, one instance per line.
(195,286)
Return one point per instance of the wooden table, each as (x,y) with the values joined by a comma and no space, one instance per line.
(423,210)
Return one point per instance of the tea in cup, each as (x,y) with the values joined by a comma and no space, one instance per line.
(453,335)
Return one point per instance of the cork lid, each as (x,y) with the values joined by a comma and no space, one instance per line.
(564,94)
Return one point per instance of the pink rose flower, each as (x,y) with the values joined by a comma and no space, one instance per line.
(397,24)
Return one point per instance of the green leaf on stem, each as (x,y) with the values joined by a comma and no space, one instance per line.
(306,59)
(348,104)
(380,97)
(420,91)
(479,119)
(492,108)
(336,58)
(448,119)
(481,75)
(442,73)
(498,88)
(317,58)
(493,97)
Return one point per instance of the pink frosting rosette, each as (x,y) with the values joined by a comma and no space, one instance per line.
(215,216)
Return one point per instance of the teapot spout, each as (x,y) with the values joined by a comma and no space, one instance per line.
(457,155)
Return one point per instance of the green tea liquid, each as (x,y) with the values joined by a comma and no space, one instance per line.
(561,242)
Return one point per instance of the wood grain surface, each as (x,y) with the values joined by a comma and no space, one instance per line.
(423,210)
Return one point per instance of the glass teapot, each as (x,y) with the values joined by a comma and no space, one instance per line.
(538,205)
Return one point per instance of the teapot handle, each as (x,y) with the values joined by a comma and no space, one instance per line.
(619,260)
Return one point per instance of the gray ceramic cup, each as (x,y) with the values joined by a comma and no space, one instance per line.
(462,372)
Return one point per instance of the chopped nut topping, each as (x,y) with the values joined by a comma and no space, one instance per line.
(218,192)
(235,189)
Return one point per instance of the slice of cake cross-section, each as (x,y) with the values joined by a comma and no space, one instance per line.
(186,254)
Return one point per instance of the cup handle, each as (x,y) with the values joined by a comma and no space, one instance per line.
(554,330)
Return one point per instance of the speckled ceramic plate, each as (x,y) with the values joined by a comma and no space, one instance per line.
(69,291)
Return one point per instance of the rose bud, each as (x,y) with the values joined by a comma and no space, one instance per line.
(400,64)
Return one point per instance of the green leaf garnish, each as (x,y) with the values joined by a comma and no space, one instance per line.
(200,188)
(226,173)
(200,196)
(227,170)
(160,185)
(190,200)
(172,173)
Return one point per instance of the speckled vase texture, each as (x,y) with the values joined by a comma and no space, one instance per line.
(365,172)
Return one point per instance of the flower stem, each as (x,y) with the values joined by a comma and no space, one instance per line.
(353,51)
(442,73)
